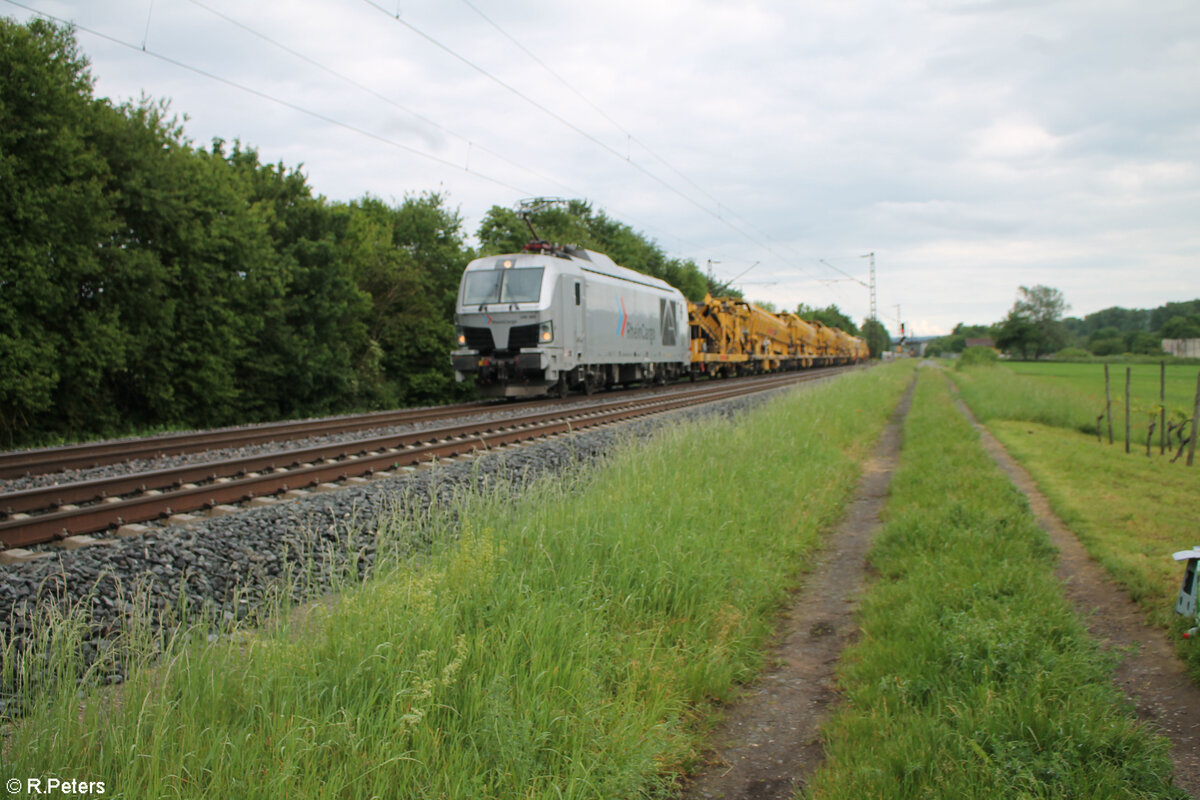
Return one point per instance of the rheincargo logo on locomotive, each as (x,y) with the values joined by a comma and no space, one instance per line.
(633,330)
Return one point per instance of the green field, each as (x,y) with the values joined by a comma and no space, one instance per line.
(1087,381)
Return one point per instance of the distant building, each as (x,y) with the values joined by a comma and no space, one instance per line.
(1182,348)
(914,346)
(985,341)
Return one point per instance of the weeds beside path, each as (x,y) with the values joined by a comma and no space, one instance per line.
(768,742)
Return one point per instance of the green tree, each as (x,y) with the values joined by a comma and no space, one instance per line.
(145,281)
(1106,342)
(1161,316)
(878,339)
(408,260)
(830,316)
(1043,308)
(1017,333)
(59,331)
(1143,343)
(1182,327)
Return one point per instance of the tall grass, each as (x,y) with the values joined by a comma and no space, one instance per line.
(565,644)
(973,677)
(1072,396)
(996,392)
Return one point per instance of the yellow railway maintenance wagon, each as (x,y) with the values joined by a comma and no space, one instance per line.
(803,340)
(730,336)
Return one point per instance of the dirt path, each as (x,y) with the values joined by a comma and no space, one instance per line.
(768,743)
(1151,675)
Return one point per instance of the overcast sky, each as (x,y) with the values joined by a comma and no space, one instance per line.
(973,146)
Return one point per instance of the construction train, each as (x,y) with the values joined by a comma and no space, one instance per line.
(554,319)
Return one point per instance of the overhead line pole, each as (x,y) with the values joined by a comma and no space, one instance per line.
(871,255)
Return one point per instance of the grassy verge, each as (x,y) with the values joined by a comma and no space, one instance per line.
(973,678)
(1131,512)
(565,645)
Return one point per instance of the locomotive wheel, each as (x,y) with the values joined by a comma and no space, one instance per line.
(560,388)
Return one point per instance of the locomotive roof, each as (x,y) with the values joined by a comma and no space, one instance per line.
(586,260)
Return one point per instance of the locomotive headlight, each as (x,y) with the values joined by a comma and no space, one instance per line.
(462,337)
(546,332)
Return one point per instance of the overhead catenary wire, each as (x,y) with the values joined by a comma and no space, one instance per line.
(544,109)
(571,88)
(379,96)
(265,96)
(572,126)
(326,118)
(621,127)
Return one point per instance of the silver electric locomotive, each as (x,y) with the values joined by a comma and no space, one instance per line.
(554,318)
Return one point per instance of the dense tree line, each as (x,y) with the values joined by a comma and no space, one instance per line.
(148,282)
(1035,327)
(1135,330)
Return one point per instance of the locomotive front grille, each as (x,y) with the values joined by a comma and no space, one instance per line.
(479,339)
(522,336)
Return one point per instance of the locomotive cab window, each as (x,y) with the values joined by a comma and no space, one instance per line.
(502,286)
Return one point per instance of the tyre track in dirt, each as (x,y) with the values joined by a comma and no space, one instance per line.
(769,742)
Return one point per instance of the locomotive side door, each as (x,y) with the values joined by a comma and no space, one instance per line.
(577,305)
(568,322)
(575,308)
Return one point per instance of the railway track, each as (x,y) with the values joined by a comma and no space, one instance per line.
(46,514)
(82,456)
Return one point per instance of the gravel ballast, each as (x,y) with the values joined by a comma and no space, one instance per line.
(229,566)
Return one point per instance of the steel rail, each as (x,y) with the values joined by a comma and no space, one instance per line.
(44,497)
(383,453)
(49,497)
(16,463)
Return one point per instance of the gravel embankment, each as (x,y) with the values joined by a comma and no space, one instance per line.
(228,565)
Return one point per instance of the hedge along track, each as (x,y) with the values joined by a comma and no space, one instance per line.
(47,514)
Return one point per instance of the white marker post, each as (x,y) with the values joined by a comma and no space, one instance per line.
(1189,593)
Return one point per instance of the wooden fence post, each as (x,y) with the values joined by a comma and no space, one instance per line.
(1108,403)
(1128,378)
(1162,407)
(1195,421)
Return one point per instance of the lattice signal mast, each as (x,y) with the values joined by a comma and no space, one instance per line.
(874,316)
